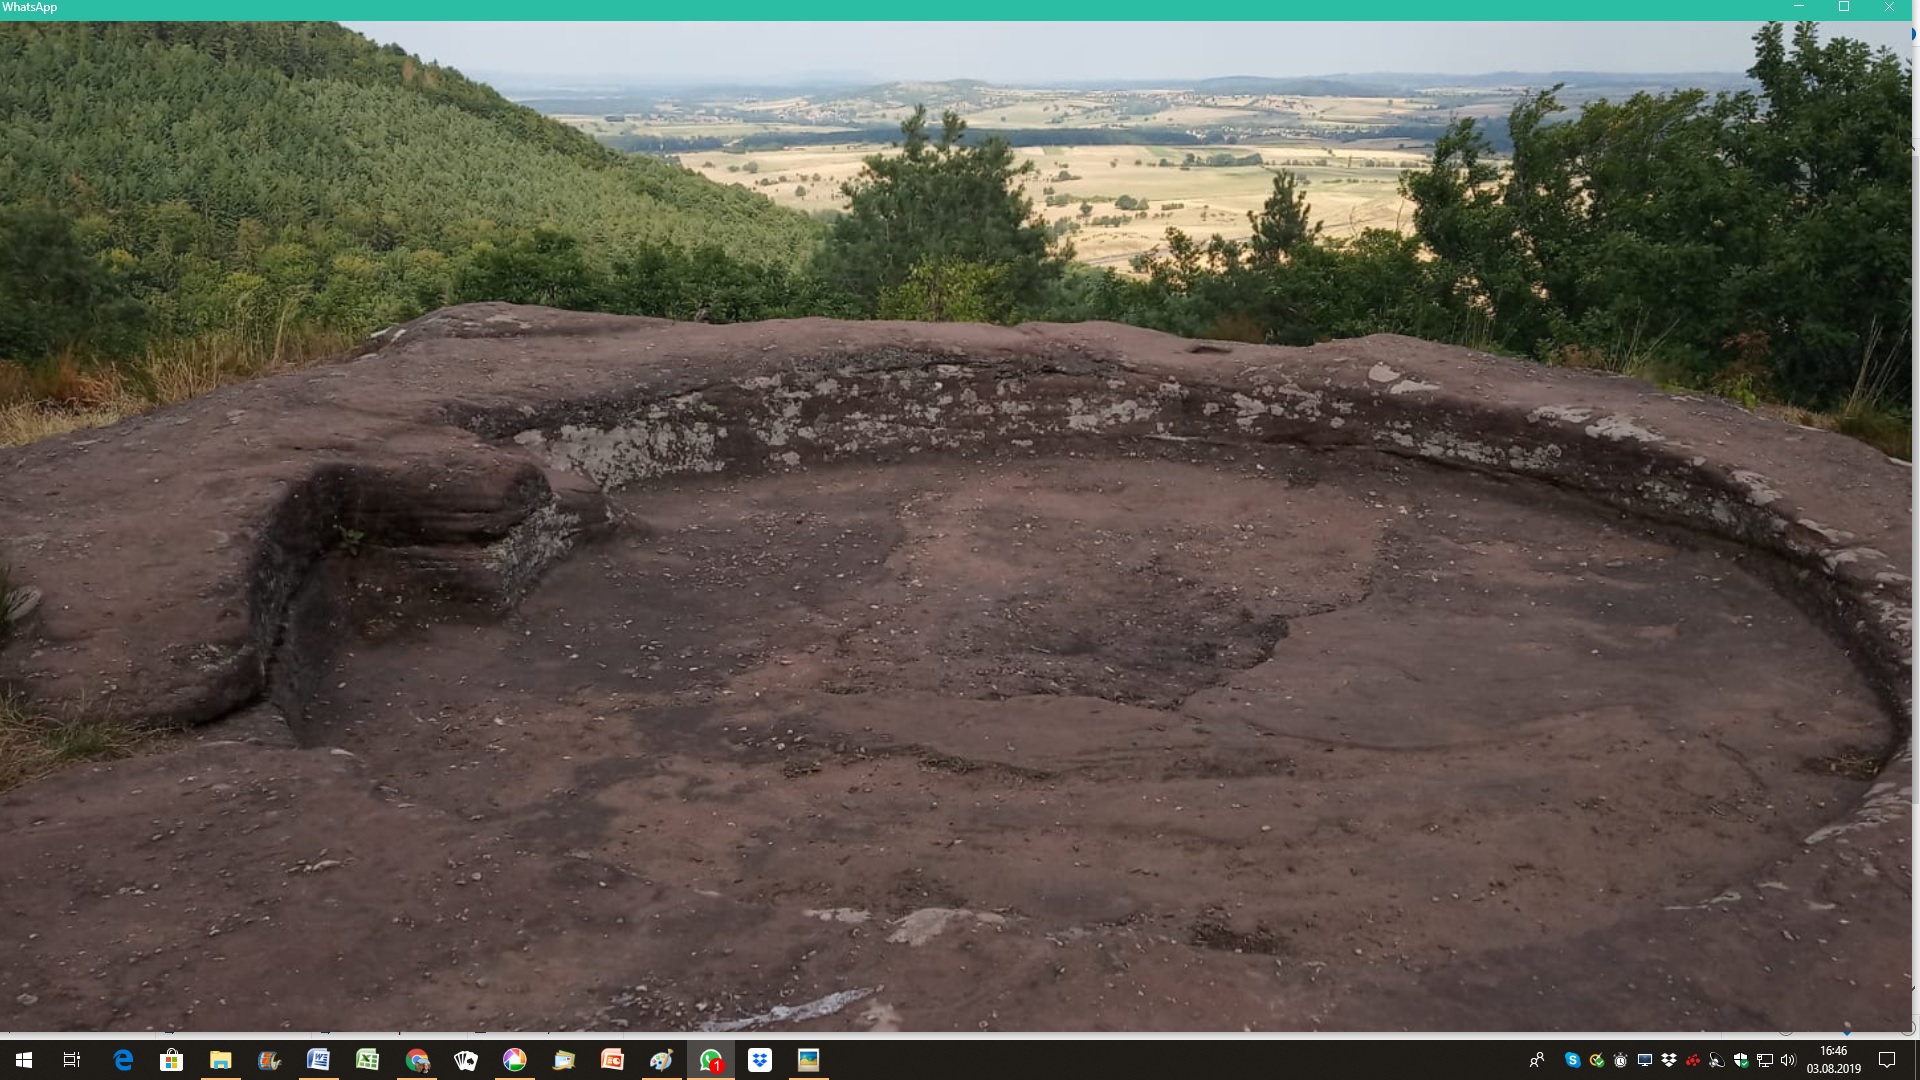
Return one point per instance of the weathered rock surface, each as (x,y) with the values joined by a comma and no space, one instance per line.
(250,549)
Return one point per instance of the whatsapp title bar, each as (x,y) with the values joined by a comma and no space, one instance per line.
(1396,11)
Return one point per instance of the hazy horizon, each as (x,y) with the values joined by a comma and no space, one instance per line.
(1031,53)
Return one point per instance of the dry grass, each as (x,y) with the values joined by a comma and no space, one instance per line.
(1853,763)
(28,422)
(34,743)
(1885,431)
(69,395)
(1866,415)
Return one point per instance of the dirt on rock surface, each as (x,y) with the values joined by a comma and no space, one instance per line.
(1131,733)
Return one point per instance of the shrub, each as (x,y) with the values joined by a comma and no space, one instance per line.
(945,290)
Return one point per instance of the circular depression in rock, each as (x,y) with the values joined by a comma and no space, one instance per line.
(928,724)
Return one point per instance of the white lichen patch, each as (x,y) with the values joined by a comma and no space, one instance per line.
(1304,403)
(1533,459)
(1381,373)
(926,924)
(792,1014)
(1409,386)
(1619,428)
(539,541)
(1570,414)
(1249,409)
(1895,617)
(1664,494)
(1731,896)
(1886,801)
(839,914)
(1446,445)
(1760,491)
(1125,411)
(1832,535)
(1722,513)
(618,456)
(1851,555)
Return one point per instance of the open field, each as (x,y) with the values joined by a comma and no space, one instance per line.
(1019,107)
(1348,137)
(1350,148)
(692,128)
(1350,189)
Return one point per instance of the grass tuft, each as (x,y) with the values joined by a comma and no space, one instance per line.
(66,395)
(1884,430)
(34,744)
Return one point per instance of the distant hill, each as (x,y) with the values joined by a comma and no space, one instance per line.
(550,95)
(1303,87)
(196,148)
(1399,84)
(1408,82)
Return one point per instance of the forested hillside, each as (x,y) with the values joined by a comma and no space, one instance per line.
(182,205)
(299,171)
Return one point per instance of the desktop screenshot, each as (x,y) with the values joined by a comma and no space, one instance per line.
(533,538)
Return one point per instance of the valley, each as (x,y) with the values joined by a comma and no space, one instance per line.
(1347,139)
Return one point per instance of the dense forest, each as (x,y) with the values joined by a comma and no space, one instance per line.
(243,195)
(217,169)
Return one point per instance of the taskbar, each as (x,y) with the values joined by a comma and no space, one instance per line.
(738,1056)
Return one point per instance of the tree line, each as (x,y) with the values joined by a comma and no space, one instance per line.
(1751,243)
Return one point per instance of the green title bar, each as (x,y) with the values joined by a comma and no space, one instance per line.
(1394,11)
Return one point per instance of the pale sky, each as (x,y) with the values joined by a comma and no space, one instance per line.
(1028,53)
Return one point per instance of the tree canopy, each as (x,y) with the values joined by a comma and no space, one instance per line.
(175,179)
(228,171)
(939,201)
(1764,230)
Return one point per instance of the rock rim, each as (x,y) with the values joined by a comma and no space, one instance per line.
(174,553)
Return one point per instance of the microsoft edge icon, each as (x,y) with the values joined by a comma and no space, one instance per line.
(1573,1060)
(123,1060)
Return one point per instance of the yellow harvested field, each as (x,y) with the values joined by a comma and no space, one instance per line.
(1348,188)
